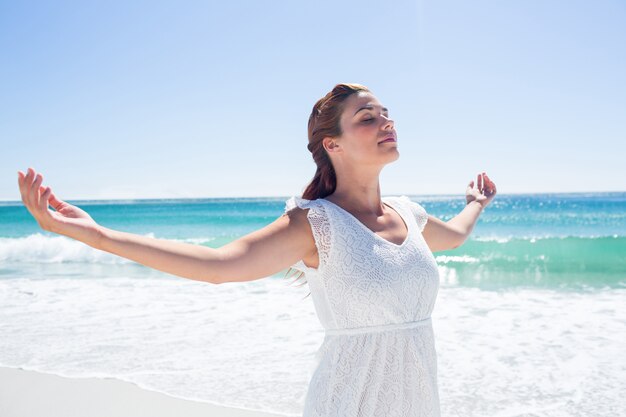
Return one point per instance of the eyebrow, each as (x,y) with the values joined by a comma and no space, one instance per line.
(368,107)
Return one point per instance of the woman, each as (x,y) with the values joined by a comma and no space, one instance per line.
(368,260)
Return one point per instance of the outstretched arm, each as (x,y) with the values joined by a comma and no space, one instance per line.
(440,235)
(256,255)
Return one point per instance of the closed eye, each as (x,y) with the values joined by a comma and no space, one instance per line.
(385,113)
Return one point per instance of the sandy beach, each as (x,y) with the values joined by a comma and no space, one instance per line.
(34,394)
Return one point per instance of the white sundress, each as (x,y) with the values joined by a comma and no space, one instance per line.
(374,299)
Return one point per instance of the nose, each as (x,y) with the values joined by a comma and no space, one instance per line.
(389,123)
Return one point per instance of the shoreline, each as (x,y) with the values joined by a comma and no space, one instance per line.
(25,393)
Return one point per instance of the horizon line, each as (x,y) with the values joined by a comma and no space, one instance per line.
(288,196)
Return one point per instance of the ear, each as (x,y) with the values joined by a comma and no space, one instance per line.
(330,144)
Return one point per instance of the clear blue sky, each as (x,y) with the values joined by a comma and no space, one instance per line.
(150,99)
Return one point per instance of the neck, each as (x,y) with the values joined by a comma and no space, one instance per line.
(358,192)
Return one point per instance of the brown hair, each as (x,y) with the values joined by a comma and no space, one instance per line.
(324,122)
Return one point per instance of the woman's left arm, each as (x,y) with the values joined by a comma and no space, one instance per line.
(440,235)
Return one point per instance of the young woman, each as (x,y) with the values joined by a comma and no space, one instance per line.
(368,260)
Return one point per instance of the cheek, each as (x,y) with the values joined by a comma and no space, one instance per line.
(364,134)
(363,150)
(365,129)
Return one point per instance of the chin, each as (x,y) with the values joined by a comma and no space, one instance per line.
(391,157)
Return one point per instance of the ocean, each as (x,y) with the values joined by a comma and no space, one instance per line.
(530,318)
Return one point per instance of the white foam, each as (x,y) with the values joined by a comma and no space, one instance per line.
(492,239)
(500,353)
(466,259)
(39,248)
(234,344)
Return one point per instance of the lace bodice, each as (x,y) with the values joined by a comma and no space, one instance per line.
(363,279)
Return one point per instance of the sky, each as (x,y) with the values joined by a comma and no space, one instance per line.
(154,99)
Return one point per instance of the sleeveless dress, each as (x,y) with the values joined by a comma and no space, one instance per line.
(374,299)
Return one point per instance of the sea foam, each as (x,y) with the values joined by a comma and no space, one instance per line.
(40,248)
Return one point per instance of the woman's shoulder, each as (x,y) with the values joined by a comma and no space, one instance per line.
(403,199)
(301,203)
(308,213)
(307,219)
(297,210)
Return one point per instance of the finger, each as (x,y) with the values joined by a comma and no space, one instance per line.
(55,201)
(480,183)
(43,201)
(492,185)
(33,192)
(30,176)
(485,183)
(20,182)
(32,182)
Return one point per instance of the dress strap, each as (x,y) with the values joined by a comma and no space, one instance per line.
(419,213)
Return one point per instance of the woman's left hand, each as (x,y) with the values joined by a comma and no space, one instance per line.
(483,191)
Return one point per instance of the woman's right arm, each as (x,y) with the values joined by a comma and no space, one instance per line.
(256,255)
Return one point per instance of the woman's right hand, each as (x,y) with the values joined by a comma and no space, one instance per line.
(67,219)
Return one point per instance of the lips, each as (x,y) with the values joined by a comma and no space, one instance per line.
(387,139)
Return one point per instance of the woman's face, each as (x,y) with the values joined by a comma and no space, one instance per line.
(366,125)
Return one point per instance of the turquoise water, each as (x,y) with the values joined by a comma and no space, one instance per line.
(529,317)
(567,241)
